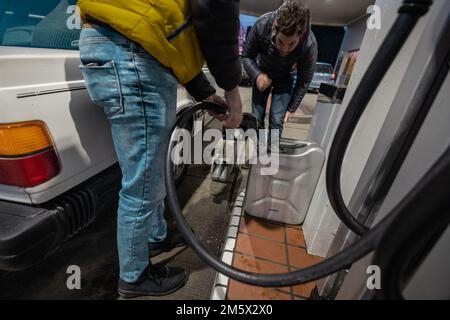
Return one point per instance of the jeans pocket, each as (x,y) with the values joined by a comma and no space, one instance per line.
(103,85)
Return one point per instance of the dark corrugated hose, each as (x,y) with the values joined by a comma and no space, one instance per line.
(409,14)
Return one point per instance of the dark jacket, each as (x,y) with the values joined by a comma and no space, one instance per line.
(260,55)
(217,24)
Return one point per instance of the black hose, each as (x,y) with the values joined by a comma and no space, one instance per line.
(437,176)
(428,216)
(320,270)
(409,14)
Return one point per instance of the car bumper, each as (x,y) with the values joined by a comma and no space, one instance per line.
(315,85)
(28,234)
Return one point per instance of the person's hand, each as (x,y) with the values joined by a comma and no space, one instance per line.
(219,100)
(234,103)
(287,116)
(263,82)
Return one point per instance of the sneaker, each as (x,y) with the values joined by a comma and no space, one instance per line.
(157,280)
(173,240)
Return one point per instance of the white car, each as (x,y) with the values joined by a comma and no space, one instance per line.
(322,74)
(58,167)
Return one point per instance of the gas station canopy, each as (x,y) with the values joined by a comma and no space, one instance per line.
(323,12)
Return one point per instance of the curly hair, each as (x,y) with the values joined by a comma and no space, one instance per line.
(292,18)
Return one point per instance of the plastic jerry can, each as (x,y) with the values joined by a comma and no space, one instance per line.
(285,196)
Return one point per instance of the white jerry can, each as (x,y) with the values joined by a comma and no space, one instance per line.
(285,195)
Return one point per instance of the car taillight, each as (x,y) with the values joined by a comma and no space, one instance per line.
(27,156)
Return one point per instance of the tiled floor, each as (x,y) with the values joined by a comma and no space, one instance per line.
(268,247)
(262,246)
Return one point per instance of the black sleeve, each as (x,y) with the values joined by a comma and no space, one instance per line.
(250,52)
(306,66)
(199,87)
(217,25)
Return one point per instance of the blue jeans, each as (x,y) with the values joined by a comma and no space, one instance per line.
(138,96)
(277,112)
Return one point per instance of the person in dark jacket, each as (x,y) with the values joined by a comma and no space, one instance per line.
(133,54)
(276,42)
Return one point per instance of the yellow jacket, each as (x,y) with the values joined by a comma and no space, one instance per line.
(162,27)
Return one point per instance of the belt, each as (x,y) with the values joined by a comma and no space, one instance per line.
(90,22)
(87,25)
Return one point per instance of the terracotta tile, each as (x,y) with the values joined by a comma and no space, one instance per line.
(304,290)
(286,290)
(262,228)
(256,265)
(240,291)
(298,257)
(295,237)
(295,226)
(261,248)
(237,290)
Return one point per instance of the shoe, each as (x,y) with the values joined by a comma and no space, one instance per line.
(173,240)
(156,280)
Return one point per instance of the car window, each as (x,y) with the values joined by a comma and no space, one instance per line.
(39,23)
(324,68)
